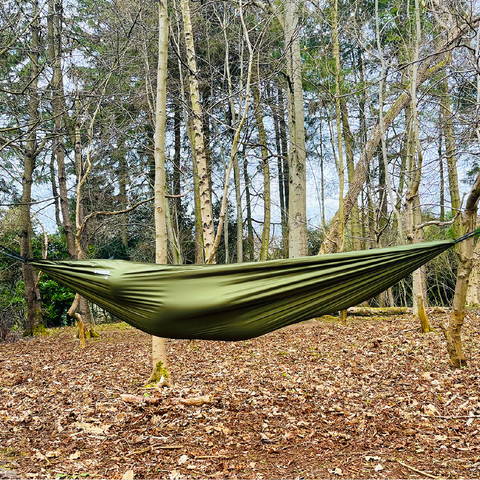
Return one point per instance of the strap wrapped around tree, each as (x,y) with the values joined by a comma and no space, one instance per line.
(237,301)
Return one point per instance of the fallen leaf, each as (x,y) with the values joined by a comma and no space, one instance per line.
(183,459)
(74,456)
(91,428)
(53,453)
(430,410)
(128,475)
(38,455)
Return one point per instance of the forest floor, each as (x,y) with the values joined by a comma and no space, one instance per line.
(372,399)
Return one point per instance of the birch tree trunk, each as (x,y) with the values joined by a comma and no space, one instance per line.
(160,374)
(231,122)
(413,214)
(297,207)
(199,144)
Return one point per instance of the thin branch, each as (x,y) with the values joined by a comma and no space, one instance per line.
(416,470)
(24,30)
(435,222)
(117,212)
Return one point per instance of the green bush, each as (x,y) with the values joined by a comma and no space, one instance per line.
(56,300)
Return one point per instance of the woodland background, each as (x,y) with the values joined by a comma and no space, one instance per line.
(291,128)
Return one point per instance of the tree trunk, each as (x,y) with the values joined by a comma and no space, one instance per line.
(297,208)
(465,253)
(266,172)
(349,153)
(281,175)
(199,243)
(160,373)
(86,326)
(176,203)
(413,211)
(286,169)
(231,122)
(446,115)
(32,293)
(59,112)
(122,186)
(340,238)
(199,144)
(238,199)
(249,250)
(55,195)
(473,291)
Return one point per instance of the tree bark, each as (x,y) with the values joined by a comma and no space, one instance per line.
(176,203)
(32,293)
(281,175)
(160,372)
(122,186)
(349,154)
(266,172)
(238,199)
(465,253)
(419,277)
(249,250)
(340,238)
(473,290)
(199,144)
(286,169)
(297,207)
(450,152)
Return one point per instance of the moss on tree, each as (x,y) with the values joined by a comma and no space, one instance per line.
(37,330)
(160,375)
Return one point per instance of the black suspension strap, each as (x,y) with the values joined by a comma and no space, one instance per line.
(10,253)
(468,235)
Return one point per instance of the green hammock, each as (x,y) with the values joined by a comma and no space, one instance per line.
(237,301)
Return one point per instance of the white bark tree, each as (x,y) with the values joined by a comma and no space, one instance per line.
(160,374)
(297,208)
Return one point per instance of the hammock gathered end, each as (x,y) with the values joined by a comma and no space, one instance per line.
(237,301)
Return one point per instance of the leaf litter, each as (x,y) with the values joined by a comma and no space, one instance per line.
(372,399)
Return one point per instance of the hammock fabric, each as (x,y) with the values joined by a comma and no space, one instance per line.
(237,301)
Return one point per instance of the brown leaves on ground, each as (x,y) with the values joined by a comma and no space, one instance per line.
(372,399)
